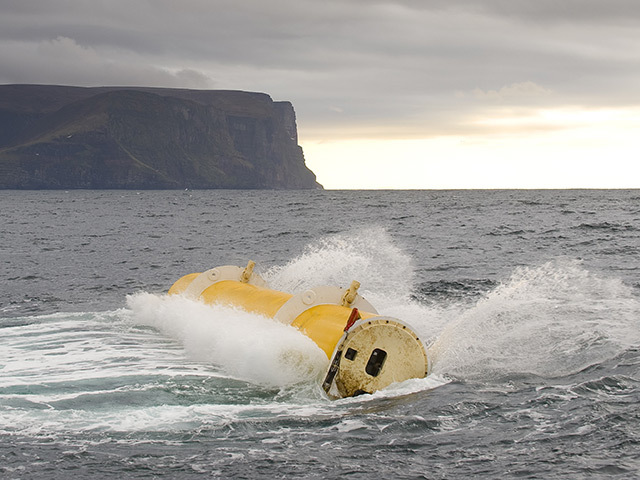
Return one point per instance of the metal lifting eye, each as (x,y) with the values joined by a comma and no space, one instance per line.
(376,360)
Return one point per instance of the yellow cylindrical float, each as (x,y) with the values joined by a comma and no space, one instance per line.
(368,352)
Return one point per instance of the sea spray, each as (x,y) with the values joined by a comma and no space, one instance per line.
(370,256)
(550,320)
(245,345)
(367,255)
(375,259)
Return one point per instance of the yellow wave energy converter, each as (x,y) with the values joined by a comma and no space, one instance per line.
(367,352)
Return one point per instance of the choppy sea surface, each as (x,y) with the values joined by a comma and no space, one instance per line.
(529,303)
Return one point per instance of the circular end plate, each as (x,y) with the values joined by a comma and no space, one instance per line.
(376,353)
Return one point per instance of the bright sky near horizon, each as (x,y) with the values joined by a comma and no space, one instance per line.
(388,94)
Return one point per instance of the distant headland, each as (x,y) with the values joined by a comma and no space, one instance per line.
(62,137)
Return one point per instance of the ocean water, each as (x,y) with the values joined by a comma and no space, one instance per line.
(528,301)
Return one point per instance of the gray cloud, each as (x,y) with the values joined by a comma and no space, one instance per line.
(411,66)
(571,11)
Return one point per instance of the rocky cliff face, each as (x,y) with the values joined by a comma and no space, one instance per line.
(116,137)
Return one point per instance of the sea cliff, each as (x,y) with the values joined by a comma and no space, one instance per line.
(60,137)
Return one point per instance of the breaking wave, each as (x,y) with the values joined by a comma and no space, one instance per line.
(550,320)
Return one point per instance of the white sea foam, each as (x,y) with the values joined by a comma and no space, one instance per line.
(385,271)
(369,256)
(156,418)
(245,345)
(550,320)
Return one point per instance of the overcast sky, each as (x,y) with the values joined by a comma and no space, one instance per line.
(389,94)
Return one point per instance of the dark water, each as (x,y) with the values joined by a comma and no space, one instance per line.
(529,301)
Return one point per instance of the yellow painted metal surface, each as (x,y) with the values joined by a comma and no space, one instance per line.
(324,324)
(181,285)
(251,298)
